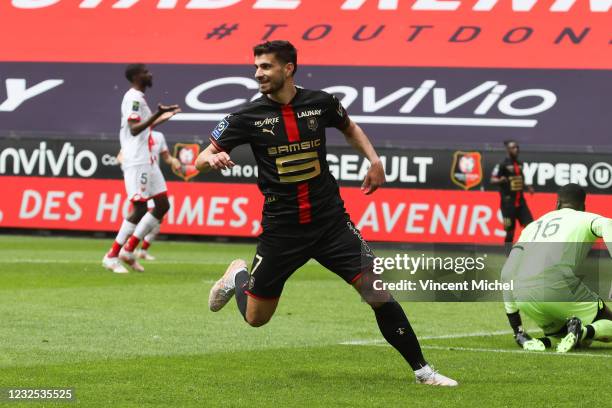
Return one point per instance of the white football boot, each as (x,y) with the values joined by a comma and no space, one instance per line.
(428,376)
(144,254)
(572,338)
(534,345)
(223,290)
(130,259)
(113,265)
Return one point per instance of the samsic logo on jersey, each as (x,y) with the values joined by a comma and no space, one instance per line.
(187,153)
(466,171)
(294,147)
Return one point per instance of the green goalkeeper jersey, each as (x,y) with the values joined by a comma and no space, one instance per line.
(549,255)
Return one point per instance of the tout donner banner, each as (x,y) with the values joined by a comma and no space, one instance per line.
(462,33)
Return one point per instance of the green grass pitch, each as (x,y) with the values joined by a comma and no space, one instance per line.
(145,340)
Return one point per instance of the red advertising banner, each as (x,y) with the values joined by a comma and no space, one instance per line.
(448,33)
(225,209)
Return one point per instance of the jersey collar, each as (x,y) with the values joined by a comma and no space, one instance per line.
(298,91)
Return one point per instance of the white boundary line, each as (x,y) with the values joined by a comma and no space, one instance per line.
(374,342)
(381,342)
(156,262)
(534,353)
(91,261)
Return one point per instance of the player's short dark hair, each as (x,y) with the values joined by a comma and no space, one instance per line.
(283,50)
(508,141)
(572,194)
(133,69)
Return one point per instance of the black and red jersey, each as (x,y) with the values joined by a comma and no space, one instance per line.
(513,170)
(288,142)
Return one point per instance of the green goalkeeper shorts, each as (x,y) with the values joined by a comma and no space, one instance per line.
(551,317)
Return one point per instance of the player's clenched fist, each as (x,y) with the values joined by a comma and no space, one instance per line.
(374,178)
(176,164)
(220,161)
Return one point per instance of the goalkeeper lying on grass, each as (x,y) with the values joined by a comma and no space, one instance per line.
(543,266)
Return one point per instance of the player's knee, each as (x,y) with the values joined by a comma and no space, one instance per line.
(376,304)
(373,297)
(140,209)
(162,205)
(257,321)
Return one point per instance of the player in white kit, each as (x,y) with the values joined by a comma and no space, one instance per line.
(159,151)
(143,178)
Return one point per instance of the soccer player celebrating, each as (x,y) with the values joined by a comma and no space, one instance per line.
(508,175)
(303,214)
(542,266)
(143,178)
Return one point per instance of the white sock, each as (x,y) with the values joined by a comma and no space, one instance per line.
(424,371)
(126,230)
(152,234)
(146,225)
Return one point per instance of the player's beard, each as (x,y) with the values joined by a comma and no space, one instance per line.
(273,86)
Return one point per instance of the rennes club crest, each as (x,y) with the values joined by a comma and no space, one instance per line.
(466,171)
(187,153)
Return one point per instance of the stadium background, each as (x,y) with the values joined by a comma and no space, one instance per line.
(431,82)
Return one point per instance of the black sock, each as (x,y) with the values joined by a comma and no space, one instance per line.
(396,329)
(515,322)
(590,332)
(546,341)
(241,280)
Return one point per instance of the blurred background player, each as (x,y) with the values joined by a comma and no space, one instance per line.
(159,149)
(543,266)
(143,178)
(143,251)
(303,216)
(508,175)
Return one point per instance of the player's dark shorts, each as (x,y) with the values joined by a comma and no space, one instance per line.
(511,212)
(282,249)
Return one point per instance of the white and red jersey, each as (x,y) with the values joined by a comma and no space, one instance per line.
(158,145)
(136,149)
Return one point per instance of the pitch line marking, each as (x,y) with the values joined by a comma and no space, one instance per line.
(444,336)
(383,343)
(91,261)
(487,350)
(79,261)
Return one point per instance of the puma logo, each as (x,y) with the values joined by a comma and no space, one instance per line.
(271,130)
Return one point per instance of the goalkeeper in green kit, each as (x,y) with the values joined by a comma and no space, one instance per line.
(543,265)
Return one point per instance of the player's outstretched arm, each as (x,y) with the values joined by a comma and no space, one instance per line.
(166,116)
(357,138)
(498,180)
(602,227)
(164,112)
(171,161)
(212,158)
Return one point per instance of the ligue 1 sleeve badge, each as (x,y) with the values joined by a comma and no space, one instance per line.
(466,171)
(187,153)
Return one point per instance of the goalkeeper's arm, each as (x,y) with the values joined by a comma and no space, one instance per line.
(522,338)
(602,227)
(509,272)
